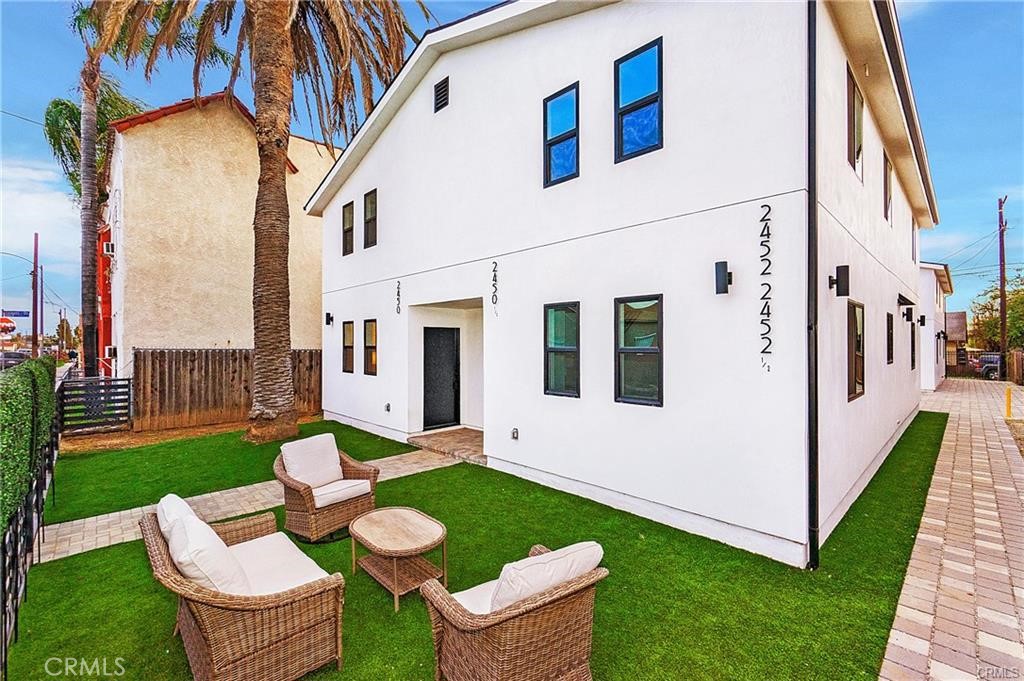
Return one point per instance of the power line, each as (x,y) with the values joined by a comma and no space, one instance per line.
(20,117)
(980,252)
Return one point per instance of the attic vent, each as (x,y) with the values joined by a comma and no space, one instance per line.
(440,94)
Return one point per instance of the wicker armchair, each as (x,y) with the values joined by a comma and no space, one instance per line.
(303,518)
(545,636)
(277,637)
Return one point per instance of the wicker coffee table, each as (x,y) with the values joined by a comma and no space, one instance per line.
(396,538)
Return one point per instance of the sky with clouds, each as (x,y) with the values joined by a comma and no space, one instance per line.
(966,62)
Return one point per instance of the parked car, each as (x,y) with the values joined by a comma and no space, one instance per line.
(11,358)
(987,365)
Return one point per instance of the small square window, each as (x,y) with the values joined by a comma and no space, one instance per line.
(561,136)
(638,102)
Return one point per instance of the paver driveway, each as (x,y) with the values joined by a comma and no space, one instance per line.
(959,614)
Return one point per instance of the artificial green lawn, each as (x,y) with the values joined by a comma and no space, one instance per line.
(103,482)
(674,606)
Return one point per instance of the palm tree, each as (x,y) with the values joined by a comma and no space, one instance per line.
(93,86)
(62,126)
(336,50)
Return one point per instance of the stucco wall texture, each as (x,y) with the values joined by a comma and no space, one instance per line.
(189,192)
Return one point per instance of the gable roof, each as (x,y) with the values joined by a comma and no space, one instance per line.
(123,124)
(491,22)
(942,274)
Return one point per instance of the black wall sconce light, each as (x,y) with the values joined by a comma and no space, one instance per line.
(908,314)
(941,335)
(723,277)
(840,282)
(328,319)
(920,320)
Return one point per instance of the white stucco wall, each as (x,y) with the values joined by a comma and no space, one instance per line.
(461,190)
(855,436)
(933,307)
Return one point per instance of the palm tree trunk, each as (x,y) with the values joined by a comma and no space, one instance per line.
(90,83)
(273,399)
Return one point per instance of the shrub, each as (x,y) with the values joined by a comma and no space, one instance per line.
(18,385)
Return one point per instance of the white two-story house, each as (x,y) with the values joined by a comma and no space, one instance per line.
(935,284)
(664,255)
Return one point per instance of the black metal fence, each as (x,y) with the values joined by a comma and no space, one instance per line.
(982,364)
(25,532)
(94,404)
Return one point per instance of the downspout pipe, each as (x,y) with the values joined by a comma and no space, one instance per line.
(812,288)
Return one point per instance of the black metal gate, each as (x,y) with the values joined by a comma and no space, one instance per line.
(95,404)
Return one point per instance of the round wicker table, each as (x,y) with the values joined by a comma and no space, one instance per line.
(396,538)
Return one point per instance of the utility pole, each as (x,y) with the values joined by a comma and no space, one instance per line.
(42,312)
(35,295)
(1002,289)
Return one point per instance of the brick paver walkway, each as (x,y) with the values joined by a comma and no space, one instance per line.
(959,614)
(77,536)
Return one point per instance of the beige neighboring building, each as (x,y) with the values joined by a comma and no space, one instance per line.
(182,187)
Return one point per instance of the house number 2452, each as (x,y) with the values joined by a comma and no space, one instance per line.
(765,316)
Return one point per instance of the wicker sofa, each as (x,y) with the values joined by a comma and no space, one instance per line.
(544,636)
(307,518)
(273,637)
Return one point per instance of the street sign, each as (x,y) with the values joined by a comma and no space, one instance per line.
(14,313)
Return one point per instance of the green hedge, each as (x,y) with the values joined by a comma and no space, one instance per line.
(17,460)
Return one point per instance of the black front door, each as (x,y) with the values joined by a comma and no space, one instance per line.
(440,377)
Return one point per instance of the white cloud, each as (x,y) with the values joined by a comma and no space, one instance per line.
(35,198)
(908,9)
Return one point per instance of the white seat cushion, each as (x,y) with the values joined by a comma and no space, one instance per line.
(530,576)
(203,557)
(339,490)
(170,508)
(313,460)
(272,564)
(478,599)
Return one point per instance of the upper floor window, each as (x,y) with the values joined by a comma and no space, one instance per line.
(562,349)
(638,106)
(887,188)
(347,228)
(348,343)
(854,125)
(913,241)
(913,346)
(638,342)
(370,219)
(561,135)
(370,347)
(854,350)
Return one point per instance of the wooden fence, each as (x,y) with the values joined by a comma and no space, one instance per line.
(1015,366)
(181,388)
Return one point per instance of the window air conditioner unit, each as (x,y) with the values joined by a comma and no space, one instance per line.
(108,248)
(110,352)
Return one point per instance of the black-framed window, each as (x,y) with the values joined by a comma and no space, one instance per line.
(854,125)
(887,188)
(639,112)
(370,347)
(348,347)
(913,346)
(347,228)
(854,350)
(638,350)
(561,135)
(889,339)
(370,218)
(562,349)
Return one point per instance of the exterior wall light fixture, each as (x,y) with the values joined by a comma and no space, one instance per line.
(841,281)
